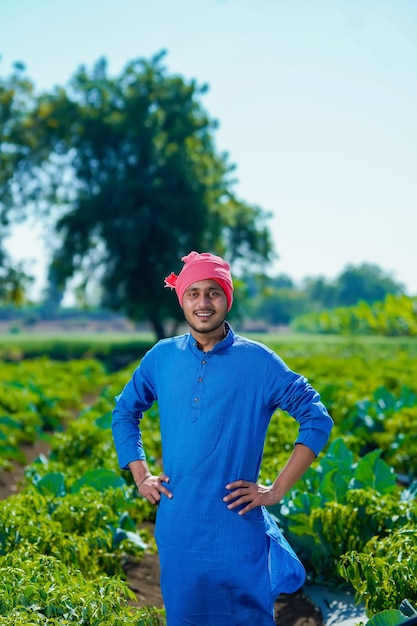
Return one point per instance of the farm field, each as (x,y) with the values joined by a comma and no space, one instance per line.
(23,338)
(75,521)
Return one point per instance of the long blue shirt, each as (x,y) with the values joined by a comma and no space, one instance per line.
(217,568)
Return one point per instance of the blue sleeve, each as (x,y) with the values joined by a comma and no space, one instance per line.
(292,393)
(137,397)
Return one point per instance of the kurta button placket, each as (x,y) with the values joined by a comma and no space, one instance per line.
(203,362)
(198,393)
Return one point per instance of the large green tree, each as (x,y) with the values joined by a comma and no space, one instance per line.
(16,102)
(16,144)
(366,282)
(128,169)
(14,281)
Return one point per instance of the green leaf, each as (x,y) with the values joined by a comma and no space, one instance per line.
(100,479)
(126,522)
(30,591)
(104,421)
(335,485)
(120,535)
(387,618)
(372,472)
(338,455)
(11,423)
(52,484)
(12,453)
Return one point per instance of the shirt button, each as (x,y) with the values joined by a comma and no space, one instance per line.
(203,362)
(195,399)
(199,380)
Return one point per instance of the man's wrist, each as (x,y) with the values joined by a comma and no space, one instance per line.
(140,471)
(138,483)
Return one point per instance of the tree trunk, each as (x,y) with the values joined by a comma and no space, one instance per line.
(158,328)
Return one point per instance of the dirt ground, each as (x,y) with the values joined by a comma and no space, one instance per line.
(143,576)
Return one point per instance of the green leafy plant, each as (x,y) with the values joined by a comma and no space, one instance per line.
(316,516)
(38,397)
(391,617)
(383,573)
(394,317)
(44,590)
(385,421)
(89,530)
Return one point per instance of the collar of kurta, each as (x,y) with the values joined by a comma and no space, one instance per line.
(222,345)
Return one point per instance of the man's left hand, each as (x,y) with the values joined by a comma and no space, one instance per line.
(249,495)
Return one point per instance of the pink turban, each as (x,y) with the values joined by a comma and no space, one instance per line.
(202,266)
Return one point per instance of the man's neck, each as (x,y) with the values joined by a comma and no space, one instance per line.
(207,341)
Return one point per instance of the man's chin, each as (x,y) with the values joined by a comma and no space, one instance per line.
(205,328)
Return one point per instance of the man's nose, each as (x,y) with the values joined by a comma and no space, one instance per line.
(203,299)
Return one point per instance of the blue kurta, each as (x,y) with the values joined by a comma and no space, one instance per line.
(218,568)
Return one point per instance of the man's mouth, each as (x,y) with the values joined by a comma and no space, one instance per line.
(204,313)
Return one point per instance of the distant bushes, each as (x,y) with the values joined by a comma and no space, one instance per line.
(115,353)
(396,316)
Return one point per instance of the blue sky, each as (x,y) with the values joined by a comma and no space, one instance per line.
(316,102)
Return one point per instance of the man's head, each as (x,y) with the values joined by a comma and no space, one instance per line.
(204,266)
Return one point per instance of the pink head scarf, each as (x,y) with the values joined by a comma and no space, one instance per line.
(202,266)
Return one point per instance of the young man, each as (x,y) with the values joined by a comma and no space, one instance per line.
(223,559)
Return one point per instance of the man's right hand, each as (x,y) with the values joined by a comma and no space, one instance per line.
(151,488)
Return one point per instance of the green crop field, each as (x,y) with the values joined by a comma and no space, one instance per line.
(65,535)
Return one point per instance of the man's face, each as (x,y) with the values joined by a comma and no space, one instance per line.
(205,306)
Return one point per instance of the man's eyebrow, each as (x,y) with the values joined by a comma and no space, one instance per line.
(214,288)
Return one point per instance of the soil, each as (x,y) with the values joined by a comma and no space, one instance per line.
(143,576)
(12,480)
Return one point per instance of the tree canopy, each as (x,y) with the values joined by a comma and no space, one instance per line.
(278,301)
(13,281)
(127,170)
